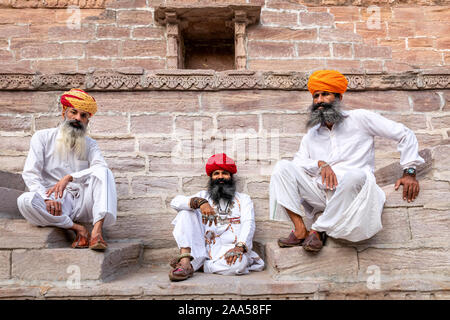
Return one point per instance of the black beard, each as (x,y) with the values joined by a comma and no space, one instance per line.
(218,190)
(331,113)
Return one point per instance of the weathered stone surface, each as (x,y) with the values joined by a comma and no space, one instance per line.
(160,256)
(53,264)
(5,264)
(12,181)
(16,234)
(430,192)
(335,264)
(154,230)
(390,173)
(430,227)
(404,262)
(8,203)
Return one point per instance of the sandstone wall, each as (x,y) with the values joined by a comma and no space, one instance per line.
(150,136)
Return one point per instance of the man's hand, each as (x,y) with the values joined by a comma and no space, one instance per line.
(233,254)
(328,176)
(410,187)
(207,213)
(53,207)
(58,188)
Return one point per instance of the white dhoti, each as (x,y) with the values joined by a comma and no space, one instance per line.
(87,202)
(352,211)
(209,245)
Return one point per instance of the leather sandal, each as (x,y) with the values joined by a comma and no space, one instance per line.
(290,241)
(81,242)
(179,273)
(315,241)
(97,243)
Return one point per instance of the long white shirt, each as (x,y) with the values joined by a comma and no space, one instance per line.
(43,168)
(242,208)
(350,144)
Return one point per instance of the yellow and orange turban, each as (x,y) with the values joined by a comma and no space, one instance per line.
(78,99)
(327,80)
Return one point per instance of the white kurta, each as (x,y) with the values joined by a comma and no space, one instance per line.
(210,243)
(348,148)
(90,197)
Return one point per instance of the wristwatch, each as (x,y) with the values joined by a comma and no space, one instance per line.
(410,172)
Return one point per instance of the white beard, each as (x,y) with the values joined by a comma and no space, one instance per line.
(71,140)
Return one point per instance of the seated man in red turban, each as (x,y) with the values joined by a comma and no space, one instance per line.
(68,179)
(333,171)
(214,228)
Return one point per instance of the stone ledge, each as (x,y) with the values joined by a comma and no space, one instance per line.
(209,80)
(153,283)
(20,234)
(54,264)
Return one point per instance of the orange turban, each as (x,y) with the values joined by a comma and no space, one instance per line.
(327,80)
(78,99)
(220,161)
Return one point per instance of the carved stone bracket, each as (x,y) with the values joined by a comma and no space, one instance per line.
(213,81)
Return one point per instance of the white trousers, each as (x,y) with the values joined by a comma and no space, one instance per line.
(88,202)
(189,232)
(352,211)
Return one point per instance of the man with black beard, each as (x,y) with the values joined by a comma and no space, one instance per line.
(333,171)
(214,228)
(68,179)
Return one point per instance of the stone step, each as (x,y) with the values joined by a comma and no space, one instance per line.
(62,264)
(8,203)
(20,234)
(339,264)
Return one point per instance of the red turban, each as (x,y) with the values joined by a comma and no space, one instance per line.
(220,161)
(327,80)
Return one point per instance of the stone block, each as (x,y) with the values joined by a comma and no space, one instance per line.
(430,192)
(142,185)
(331,263)
(59,264)
(12,180)
(151,124)
(8,203)
(421,262)
(160,256)
(154,230)
(20,234)
(270,49)
(279,18)
(22,124)
(391,173)
(5,264)
(430,228)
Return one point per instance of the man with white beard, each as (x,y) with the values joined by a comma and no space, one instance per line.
(333,171)
(68,179)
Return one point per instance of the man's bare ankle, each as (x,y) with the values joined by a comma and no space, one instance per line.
(301,234)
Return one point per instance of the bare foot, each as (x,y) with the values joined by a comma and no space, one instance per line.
(80,229)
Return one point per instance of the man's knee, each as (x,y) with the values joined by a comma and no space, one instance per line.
(28,203)
(354,178)
(28,200)
(282,168)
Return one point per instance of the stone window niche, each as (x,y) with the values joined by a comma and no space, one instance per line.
(210,37)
